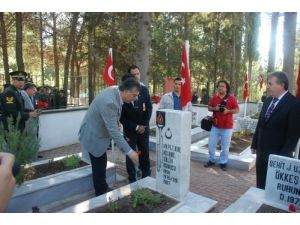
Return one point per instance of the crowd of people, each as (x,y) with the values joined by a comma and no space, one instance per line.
(22,102)
(50,98)
(277,131)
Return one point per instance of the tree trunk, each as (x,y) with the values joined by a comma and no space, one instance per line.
(72,73)
(216,56)
(289,39)
(238,64)
(69,50)
(78,78)
(42,49)
(252,32)
(143,45)
(186,26)
(236,52)
(273,35)
(4,48)
(19,41)
(55,53)
(73,59)
(90,58)
(233,55)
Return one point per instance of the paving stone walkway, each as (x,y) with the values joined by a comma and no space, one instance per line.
(224,187)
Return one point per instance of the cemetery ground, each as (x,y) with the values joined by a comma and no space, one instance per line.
(224,187)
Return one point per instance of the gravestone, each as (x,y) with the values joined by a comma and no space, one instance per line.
(247,124)
(173,142)
(283,182)
(195,118)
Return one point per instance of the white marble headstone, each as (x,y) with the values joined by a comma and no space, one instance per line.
(173,143)
(283,182)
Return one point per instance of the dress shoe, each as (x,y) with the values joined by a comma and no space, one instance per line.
(223,167)
(209,164)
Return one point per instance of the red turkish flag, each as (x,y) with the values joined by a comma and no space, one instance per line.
(261,81)
(298,83)
(246,88)
(109,73)
(186,93)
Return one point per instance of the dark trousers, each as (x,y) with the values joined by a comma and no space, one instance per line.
(261,171)
(141,141)
(99,173)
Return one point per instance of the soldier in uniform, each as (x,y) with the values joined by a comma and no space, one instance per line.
(12,102)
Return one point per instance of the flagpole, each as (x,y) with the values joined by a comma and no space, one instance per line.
(112,140)
(187,48)
(110,52)
(245,108)
(246,93)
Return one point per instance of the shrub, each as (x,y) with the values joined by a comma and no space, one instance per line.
(24,145)
(144,196)
(72,161)
(112,207)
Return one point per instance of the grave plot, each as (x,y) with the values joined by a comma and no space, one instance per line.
(172,171)
(282,192)
(53,188)
(240,156)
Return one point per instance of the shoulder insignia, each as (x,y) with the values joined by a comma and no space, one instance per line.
(9,100)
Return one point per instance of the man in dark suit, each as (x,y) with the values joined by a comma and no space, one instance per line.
(278,127)
(135,118)
(13,103)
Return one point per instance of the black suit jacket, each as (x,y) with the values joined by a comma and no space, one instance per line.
(280,133)
(137,114)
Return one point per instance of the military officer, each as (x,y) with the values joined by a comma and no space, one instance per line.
(13,103)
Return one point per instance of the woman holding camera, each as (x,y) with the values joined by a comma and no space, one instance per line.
(223,105)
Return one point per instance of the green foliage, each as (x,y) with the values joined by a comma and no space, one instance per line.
(72,161)
(221,46)
(24,145)
(145,197)
(112,207)
(51,162)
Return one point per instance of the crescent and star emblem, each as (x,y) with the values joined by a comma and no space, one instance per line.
(110,69)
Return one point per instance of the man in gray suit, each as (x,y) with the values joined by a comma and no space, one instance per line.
(27,93)
(100,124)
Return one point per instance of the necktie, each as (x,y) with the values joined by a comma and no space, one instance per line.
(271,108)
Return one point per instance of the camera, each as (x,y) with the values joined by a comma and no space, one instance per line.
(222,108)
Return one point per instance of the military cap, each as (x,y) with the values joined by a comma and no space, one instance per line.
(18,75)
